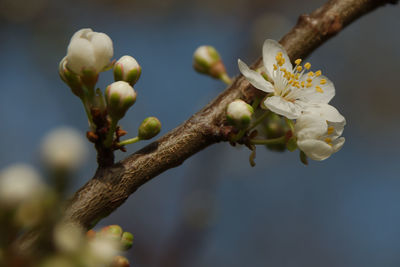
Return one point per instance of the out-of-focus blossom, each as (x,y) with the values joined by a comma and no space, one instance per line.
(64,149)
(19,183)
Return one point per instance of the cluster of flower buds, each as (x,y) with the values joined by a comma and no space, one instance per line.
(88,54)
(115,234)
(206,60)
(295,106)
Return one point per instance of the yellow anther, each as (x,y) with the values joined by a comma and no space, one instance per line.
(299,68)
(297,76)
(318,73)
(292,75)
(323,81)
(309,80)
(298,61)
(307,65)
(318,89)
(281,61)
(275,67)
(308,85)
(310,74)
(328,140)
(330,130)
(302,84)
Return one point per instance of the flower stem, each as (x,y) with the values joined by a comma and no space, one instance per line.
(225,78)
(273,141)
(129,141)
(88,113)
(259,120)
(110,134)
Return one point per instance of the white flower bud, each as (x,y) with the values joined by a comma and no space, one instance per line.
(19,183)
(102,251)
(70,78)
(127,69)
(120,96)
(64,149)
(239,113)
(207,60)
(89,51)
(68,237)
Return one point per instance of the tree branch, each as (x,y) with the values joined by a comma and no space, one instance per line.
(111,186)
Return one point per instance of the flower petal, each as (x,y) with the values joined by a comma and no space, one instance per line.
(270,50)
(282,107)
(310,127)
(80,55)
(324,94)
(315,149)
(338,144)
(255,78)
(326,111)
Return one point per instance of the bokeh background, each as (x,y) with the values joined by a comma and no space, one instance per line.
(215,210)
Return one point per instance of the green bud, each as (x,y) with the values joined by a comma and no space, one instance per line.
(273,127)
(120,96)
(120,261)
(127,69)
(149,128)
(112,231)
(206,60)
(70,78)
(239,113)
(303,158)
(126,240)
(291,144)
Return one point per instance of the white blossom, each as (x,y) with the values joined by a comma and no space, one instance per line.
(127,69)
(64,149)
(318,131)
(291,89)
(239,113)
(19,183)
(120,96)
(89,50)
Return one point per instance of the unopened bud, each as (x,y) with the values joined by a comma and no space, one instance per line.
(112,231)
(127,69)
(207,60)
(120,261)
(89,51)
(120,96)
(239,113)
(70,78)
(127,240)
(149,128)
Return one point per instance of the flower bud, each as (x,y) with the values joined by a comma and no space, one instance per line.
(127,69)
(207,60)
(120,96)
(126,240)
(19,183)
(89,51)
(239,113)
(120,261)
(63,149)
(149,128)
(112,231)
(70,78)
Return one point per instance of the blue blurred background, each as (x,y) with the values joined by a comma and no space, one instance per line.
(215,210)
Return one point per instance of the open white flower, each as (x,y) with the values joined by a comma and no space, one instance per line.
(89,50)
(292,89)
(318,131)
